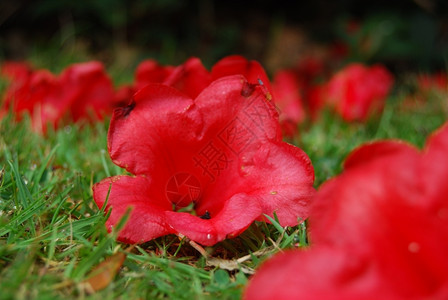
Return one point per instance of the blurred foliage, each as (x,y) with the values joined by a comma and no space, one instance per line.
(404,34)
(405,42)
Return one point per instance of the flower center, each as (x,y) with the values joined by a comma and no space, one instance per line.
(183,190)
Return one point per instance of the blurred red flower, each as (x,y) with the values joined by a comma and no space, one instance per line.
(192,77)
(357,91)
(379,230)
(204,168)
(252,70)
(87,91)
(17,74)
(82,91)
(150,71)
(288,98)
(437,81)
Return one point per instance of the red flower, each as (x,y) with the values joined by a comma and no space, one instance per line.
(190,78)
(357,91)
(15,71)
(82,91)
(150,71)
(43,100)
(379,230)
(239,65)
(288,98)
(18,75)
(87,91)
(220,153)
(123,95)
(437,81)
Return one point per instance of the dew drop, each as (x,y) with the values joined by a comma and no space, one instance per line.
(209,236)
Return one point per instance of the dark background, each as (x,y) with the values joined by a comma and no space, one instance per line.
(403,34)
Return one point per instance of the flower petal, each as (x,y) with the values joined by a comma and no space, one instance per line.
(239,65)
(150,71)
(145,136)
(236,215)
(189,78)
(147,220)
(233,105)
(281,177)
(371,151)
(319,273)
(434,165)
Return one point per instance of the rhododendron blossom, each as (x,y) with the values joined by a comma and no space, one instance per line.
(205,168)
(192,77)
(236,64)
(357,91)
(379,230)
(150,71)
(87,91)
(429,82)
(17,74)
(82,91)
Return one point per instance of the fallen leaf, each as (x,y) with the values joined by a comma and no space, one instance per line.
(103,274)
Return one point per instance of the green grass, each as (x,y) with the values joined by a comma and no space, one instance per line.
(52,234)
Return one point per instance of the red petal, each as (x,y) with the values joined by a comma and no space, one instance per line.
(88,89)
(369,152)
(232,101)
(191,78)
(281,178)
(145,137)
(238,65)
(147,220)
(150,71)
(358,91)
(16,72)
(435,162)
(236,215)
(317,273)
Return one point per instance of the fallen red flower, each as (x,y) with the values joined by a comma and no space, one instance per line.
(379,230)
(150,71)
(82,91)
(220,156)
(429,82)
(18,75)
(239,65)
(357,91)
(87,91)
